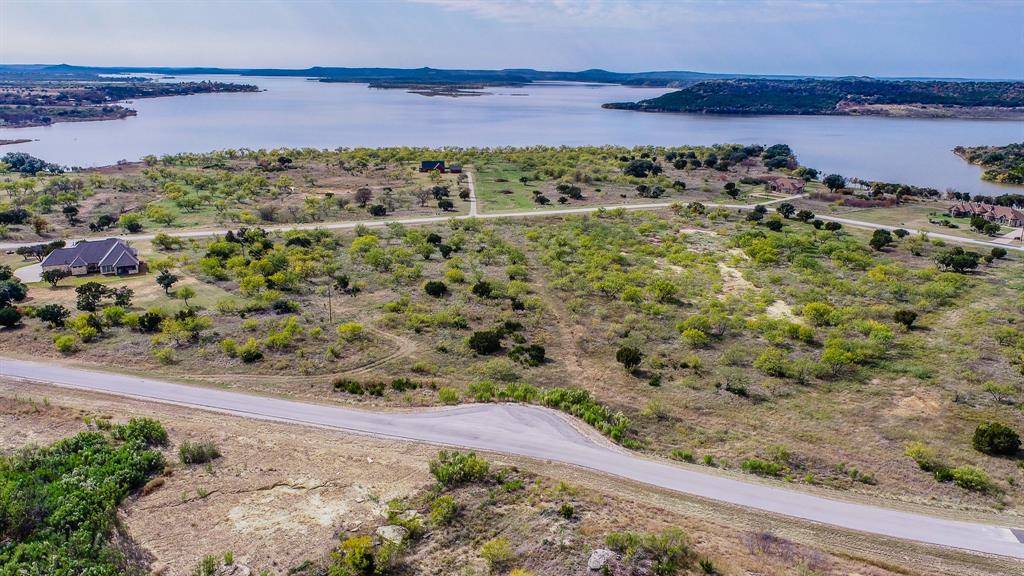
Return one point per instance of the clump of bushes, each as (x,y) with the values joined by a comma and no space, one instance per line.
(967,477)
(666,553)
(60,501)
(443,510)
(996,439)
(452,468)
(497,552)
(762,467)
(197,452)
(358,388)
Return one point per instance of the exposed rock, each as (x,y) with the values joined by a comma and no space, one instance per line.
(393,533)
(600,557)
(158,569)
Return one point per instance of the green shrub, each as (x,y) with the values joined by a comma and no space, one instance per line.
(435,288)
(355,557)
(996,439)
(448,395)
(773,362)
(762,467)
(684,455)
(403,384)
(250,351)
(348,385)
(485,342)
(924,456)
(114,315)
(905,317)
(164,356)
(443,510)
(59,503)
(197,452)
(629,357)
(819,313)
(147,431)
(230,347)
(483,391)
(65,344)
(530,355)
(452,468)
(350,331)
(581,404)
(497,552)
(667,553)
(971,478)
(695,338)
(566,511)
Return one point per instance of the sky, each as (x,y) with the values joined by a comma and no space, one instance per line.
(972,39)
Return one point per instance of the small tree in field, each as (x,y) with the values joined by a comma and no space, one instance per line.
(996,439)
(166,279)
(629,357)
(186,292)
(834,182)
(53,276)
(905,317)
(880,239)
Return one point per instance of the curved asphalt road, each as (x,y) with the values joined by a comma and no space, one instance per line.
(536,433)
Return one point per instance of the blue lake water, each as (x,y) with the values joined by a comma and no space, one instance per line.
(295,112)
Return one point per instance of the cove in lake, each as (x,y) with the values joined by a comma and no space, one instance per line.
(295,112)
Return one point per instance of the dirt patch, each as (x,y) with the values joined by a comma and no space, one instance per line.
(781,311)
(921,403)
(733,281)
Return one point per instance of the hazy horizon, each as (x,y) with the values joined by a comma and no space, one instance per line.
(802,38)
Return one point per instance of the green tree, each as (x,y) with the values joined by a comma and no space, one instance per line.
(166,279)
(89,296)
(958,260)
(880,239)
(996,439)
(629,357)
(185,292)
(53,314)
(905,317)
(834,182)
(54,275)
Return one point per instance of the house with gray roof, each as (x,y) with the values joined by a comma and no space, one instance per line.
(107,256)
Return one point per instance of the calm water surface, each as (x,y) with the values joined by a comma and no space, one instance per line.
(295,112)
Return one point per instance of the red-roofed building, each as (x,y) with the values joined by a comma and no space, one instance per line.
(1004,215)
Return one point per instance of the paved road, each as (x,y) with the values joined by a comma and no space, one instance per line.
(29,274)
(473,213)
(536,433)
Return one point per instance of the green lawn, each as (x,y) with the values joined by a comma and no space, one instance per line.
(492,179)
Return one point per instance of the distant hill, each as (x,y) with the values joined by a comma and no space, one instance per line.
(853,95)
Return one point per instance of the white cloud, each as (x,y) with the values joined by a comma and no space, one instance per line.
(638,14)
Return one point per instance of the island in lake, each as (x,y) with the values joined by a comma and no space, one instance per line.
(842,96)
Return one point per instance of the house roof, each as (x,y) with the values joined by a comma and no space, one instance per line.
(431,163)
(988,209)
(92,253)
